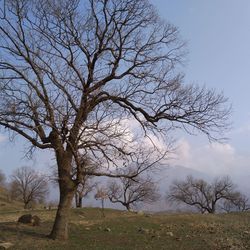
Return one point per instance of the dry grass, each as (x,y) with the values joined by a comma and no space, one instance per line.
(5,204)
(122,230)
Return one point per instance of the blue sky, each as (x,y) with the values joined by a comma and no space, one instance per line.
(218,37)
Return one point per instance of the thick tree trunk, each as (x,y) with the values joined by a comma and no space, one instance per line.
(213,211)
(60,227)
(67,190)
(127,207)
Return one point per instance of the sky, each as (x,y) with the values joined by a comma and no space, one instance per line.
(218,39)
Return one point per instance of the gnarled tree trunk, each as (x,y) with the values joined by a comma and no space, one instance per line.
(127,205)
(67,190)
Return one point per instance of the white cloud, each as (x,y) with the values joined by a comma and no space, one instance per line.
(214,158)
(183,151)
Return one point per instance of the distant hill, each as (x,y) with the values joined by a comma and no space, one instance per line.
(177,172)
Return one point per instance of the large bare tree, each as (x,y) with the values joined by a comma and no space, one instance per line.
(203,195)
(28,186)
(74,74)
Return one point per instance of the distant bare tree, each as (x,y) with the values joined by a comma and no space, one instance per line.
(72,71)
(2,178)
(101,195)
(238,202)
(28,186)
(83,189)
(200,194)
(130,192)
(86,183)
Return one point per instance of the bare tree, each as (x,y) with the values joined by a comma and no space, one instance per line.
(238,202)
(131,192)
(2,178)
(28,186)
(202,195)
(70,69)
(83,189)
(85,186)
(101,195)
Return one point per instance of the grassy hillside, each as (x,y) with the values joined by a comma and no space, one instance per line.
(123,230)
(6,204)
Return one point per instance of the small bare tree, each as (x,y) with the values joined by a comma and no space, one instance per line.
(28,186)
(2,178)
(101,195)
(238,202)
(200,194)
(84,188)
(131,192)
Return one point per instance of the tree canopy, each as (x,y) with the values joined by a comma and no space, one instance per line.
(203,195)
(29,186)
(74,74)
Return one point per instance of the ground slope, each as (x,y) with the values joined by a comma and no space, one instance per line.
(123,230)
(6,205)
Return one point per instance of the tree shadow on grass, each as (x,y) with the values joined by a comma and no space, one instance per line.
(17,230)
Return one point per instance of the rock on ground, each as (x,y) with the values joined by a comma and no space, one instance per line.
(29,219)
